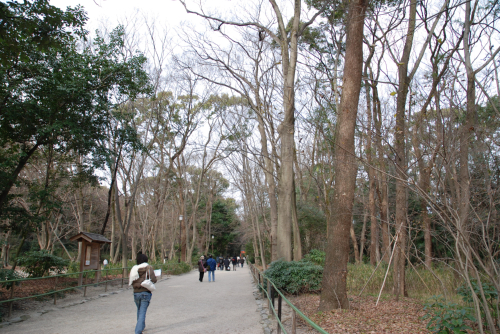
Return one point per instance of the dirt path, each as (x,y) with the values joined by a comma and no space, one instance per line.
(180,304)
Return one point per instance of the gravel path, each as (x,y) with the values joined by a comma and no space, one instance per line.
(180,305)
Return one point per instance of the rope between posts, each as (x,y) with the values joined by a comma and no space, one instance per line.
(302,315)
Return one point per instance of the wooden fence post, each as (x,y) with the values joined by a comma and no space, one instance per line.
(11,297)
(85,287)
(294,322)
(279,313)
(272,297)
(269,297)
(55,291)
(123,274)
(263,292)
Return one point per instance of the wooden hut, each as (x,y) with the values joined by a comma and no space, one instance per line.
(91,252)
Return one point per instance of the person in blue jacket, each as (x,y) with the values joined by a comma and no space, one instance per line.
(212,265)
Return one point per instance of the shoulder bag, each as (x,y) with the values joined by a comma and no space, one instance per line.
(147,283)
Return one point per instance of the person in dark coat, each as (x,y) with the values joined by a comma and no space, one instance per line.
(221,263)
(226,263)
(242,260)
(235,262)
(201,267)
(211,267)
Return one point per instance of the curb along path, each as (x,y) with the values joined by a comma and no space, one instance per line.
(180,304)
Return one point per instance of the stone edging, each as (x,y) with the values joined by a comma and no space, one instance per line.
(267,324)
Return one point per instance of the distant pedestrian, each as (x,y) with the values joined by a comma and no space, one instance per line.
(235,262)
(142,296)
(221,263)
(226,263)
(201,268)
(242,260)
(211,266)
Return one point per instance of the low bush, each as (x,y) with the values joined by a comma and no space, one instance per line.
(38,263)
(174,267)
(447,317)
(316,256)
(7,275)
(490,293)
(295,276)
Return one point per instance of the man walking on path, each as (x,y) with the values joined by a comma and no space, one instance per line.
(212,265)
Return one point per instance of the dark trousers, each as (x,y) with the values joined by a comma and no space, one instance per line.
(202,273)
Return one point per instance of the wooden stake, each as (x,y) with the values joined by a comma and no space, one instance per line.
(388,267)
(11,297)
(55,291)
(279,314)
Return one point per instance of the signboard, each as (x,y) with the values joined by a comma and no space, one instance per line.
(88,251)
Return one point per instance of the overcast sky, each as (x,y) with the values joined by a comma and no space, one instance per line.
(113,10)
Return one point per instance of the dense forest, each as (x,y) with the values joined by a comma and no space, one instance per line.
(362,129)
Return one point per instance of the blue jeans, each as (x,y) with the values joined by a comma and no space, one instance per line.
(142,300)
(211,273)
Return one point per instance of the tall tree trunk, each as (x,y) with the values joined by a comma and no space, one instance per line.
(287,211)
(363,237)
(382,186)
(112,246)
(5,249)
(374,230)
(297,243)
(23,160)
(182,222)
(370,110)
(334,284)
(400,150)
(271,185)
(355,245)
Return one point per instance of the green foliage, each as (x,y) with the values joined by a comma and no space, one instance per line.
(38,263)
(7,275)
(315,256)
(295,276)
(447,317)
(36,25)
(490,293)
(249,252)
(175,268)
(55,95)
(223,225)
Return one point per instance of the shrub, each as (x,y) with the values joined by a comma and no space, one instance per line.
(295,276)
(38,263)
(175,268)
(7,275)
(447,317)
(316,256)
(490,293)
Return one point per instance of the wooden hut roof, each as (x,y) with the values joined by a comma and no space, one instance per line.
(90,237)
